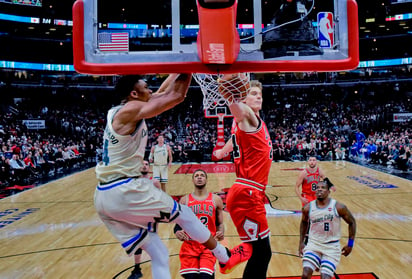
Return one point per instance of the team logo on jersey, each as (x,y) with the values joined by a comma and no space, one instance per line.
(251,228)
(325,29)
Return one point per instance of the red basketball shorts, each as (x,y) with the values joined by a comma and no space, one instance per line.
(309,197)
(246,206)
(196,258)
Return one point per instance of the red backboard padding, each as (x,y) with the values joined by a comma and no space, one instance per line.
(81,65)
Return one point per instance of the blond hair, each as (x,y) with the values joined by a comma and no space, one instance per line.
(256,83)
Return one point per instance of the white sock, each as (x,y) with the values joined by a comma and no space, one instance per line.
(220,253)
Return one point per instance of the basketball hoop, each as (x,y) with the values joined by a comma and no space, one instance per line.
(212,85)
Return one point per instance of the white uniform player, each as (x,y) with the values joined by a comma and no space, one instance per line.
(119,196)
(323,250)
(128,204)
(161,156)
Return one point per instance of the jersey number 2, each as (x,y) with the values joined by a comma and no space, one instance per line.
(204,220)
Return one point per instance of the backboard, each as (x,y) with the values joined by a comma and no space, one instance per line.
(162,36)
(219,110)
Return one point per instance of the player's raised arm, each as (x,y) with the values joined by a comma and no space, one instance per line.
(244,100)
(174,93)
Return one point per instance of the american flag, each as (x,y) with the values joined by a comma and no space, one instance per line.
(113,41)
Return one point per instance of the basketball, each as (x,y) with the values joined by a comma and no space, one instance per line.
(234,87)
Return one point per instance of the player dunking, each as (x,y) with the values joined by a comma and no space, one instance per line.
(309,179)
(197,262)
(252,152)
(129,205)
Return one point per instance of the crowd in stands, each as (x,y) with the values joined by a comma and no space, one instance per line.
(331,123)
(67,142)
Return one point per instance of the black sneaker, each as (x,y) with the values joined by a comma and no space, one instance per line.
(136,273)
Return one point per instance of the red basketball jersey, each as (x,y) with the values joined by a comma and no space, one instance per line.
(310,182)
(252,153)
(205,210)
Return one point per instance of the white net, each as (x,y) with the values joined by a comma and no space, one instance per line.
(221,89)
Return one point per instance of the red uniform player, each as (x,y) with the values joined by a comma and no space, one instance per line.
(196,261)
(252,152)
(308,179)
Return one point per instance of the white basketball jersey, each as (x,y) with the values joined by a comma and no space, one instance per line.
(324,223)
(122,155)
(160,155)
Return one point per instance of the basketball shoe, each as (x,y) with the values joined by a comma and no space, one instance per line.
(238,254)
(136,273)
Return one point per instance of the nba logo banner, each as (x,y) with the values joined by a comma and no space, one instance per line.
(325,29)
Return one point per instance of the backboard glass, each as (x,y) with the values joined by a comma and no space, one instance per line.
(160,36)
(214,112)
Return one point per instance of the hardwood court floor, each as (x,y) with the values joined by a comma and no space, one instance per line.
(52,231)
